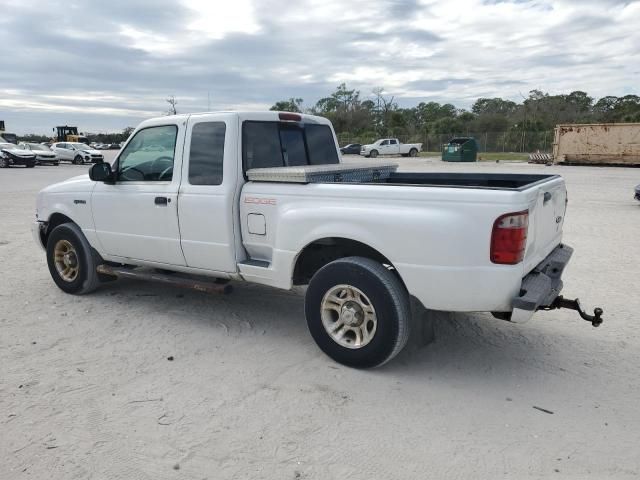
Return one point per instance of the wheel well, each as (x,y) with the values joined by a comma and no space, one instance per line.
(321,252)
(54,220)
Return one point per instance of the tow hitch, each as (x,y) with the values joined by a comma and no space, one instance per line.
(561,302)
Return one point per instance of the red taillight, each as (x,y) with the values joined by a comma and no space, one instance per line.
(509,238)
(293,117)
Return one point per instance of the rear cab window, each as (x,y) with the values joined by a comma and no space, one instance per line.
(282,144)
(206,155)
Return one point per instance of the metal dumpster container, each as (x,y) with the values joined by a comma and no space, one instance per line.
(597,144)
(460,149)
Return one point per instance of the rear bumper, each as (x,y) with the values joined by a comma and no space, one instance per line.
(542,285)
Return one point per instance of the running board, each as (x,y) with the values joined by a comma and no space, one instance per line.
(255,263)
(174,280)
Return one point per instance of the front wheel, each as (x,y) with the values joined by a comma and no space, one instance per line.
(358,312)
(373,154)
(4,163)
(78,160)
(71,262)
(30,165)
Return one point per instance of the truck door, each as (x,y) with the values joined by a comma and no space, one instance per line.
(207,203)
(384,147)
(137,217)
(394,146)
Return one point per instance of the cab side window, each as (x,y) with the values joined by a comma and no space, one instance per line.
(149,156)
(385,142)
(206,154)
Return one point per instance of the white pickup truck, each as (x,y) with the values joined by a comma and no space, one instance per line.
(390,146)
(179,205)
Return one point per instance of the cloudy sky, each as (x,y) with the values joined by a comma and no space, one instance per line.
(107,64)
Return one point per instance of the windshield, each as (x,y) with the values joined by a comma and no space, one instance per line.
(37,146)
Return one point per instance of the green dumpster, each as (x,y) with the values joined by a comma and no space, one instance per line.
(460,149)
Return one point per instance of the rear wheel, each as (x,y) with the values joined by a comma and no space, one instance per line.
(71,262)
(373,154)
(413,152)
(31,165)
(4,163)
(358,312)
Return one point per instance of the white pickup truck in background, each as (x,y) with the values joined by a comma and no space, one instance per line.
(390,146)
(262,197)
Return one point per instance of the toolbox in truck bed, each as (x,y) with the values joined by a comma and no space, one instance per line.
(341,172)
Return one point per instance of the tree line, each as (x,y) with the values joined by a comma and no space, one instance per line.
(380,115)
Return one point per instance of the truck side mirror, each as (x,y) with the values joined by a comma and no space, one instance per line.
(101,172)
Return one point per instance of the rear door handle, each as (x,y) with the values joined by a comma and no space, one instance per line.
(547,197)
(161,201)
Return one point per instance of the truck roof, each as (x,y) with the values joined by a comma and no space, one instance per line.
(257,115)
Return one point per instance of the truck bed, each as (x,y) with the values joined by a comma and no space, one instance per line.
(385,174)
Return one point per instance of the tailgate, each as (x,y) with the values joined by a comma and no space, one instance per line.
(547,207)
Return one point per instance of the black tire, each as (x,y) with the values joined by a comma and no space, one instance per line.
(55,164)
(4,163)
(87,278)
(373,154)
(386,294)
(413,152)
(30,165)
(78,160)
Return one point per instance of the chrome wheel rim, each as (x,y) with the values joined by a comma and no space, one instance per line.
(348,316)
(66,260)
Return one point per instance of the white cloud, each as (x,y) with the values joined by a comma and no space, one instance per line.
(122,58)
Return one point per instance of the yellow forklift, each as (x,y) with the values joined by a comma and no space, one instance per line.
(69,134)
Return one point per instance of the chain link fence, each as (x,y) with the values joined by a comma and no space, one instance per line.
(511,141)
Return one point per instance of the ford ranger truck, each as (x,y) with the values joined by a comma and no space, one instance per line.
(203,199)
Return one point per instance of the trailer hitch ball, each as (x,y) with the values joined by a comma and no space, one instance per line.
(561,302)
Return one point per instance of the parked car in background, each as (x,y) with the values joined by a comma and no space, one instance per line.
(637,195)
(114,146)
(43,153)
(351,149)
(77,153)
(11,154)
(390,146)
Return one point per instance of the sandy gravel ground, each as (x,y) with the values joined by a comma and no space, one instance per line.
(87,390)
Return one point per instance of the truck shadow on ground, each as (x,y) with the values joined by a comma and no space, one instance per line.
(441,343)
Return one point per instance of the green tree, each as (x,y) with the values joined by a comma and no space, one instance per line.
(291,105)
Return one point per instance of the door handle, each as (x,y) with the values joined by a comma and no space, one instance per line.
(547,196)
(162,200)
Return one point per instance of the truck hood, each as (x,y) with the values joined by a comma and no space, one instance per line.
(80,183)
